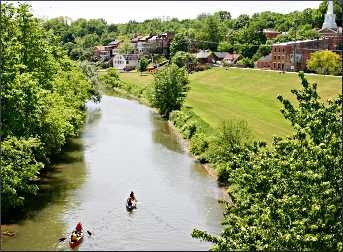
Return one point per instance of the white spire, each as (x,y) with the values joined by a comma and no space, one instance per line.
(330,7)
(330,17)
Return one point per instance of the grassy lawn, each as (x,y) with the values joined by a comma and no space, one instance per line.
(220,94)
(137,78)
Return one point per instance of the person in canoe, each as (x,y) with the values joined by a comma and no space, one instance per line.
(79,228)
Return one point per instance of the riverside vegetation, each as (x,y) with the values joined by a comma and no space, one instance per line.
(286,195)
(43,95)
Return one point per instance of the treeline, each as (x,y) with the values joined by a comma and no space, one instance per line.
(43,95)
(218,31)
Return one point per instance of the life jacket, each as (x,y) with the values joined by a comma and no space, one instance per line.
(73,237)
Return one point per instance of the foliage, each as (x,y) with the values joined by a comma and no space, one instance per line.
(18,168)
(90,71)
(288,196)
(126,47)
(169,89)
(325,62)
(246,61)
(225,47)
(111,78)
(143,64)
(43,100)
(179,43)
(184,59)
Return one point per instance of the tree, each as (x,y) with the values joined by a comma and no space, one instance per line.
(179,43)
(222,15)
(288,196)
(225,47)
(126,47)
(42,104)
(325,62)
(184,59)
(211,31)
(241,21)
(143,64)
(169,89)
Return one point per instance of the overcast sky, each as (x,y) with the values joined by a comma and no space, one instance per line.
(123,11)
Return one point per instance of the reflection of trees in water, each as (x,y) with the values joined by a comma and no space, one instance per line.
(93,115)
(67,173)
(163,134)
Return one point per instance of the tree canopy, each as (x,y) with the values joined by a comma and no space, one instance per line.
(43,100)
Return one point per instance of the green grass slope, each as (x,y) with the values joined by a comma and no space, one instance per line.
(247,94)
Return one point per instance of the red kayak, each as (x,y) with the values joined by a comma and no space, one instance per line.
(73,244)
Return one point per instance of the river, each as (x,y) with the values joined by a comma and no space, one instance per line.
(123,146)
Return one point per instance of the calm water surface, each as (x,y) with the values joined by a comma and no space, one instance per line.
(124,146)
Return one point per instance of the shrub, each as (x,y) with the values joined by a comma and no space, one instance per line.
(199,144)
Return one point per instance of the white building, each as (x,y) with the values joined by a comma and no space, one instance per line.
(125,61)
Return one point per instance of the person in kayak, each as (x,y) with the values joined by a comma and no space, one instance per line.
(132,196)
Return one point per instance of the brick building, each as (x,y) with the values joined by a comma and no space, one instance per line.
(293,55)
(264,62)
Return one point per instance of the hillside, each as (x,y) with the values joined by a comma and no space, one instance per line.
(220,94)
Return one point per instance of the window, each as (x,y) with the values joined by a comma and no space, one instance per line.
(283,49)
(274,49)
(279,49)
(278,57)
(274,65)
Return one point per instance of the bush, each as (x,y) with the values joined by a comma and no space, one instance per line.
(199,143)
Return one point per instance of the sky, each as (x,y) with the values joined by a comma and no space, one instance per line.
(123,11)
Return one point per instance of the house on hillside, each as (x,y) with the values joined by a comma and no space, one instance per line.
(113,46)
(153,43)
(271,34)
(125,62)
(219,56)
(264,62)
(102,53)
(204,57)
(231,58)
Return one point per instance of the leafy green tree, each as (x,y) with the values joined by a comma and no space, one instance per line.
(242,21)
(325,62)
(169,89)
(225,47)
(184,59)
(143,64)
(126,47)
(179,43)
(211,31)
(43,101)
(222,15)
(288,196)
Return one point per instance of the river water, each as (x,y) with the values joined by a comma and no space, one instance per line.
(124,146)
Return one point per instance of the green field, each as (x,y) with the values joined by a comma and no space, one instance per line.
(220,94)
